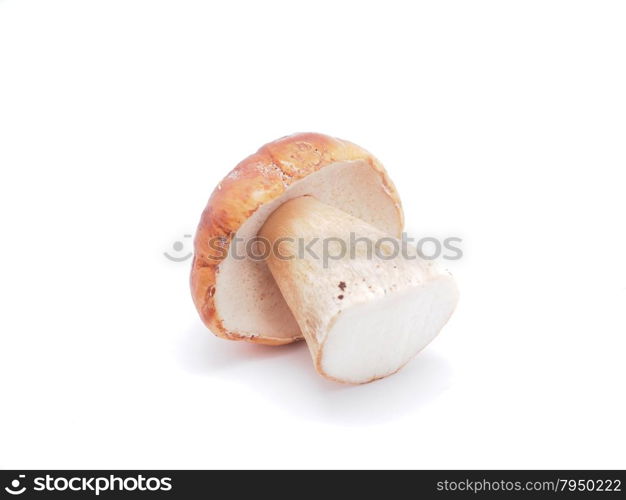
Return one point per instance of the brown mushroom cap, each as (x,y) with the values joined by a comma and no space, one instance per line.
(237,298)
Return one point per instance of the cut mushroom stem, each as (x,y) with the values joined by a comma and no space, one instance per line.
(366,302)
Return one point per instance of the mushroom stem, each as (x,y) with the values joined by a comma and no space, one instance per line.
(366,303)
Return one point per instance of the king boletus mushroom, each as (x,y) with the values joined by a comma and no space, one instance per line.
(301,240)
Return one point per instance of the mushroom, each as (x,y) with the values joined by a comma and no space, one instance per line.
(237,298)
(333,269)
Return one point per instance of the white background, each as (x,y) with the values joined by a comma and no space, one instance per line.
(503,123)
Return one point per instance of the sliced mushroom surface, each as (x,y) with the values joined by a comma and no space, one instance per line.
(365,302)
